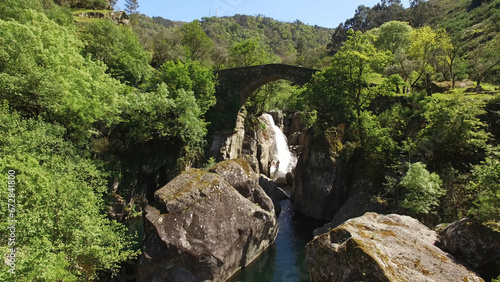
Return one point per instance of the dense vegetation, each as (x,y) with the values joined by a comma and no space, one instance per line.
(431,155)
(89,107)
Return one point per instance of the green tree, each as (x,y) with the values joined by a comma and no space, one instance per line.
(485,189)
(421,189)
(197,43)
(394,36)
(421,11)
(453,132)
(344,88)
(158,114)
(167,46)
(62,232)
(190,76)
(485,59)
(15,9)
(42,73)
(450,57)
(119,48)
(249,52)
(425,52)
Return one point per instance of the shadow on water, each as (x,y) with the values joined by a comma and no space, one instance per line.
(284,261)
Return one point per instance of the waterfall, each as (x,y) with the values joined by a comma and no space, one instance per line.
(283,160)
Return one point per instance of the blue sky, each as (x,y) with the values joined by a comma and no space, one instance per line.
(326,13)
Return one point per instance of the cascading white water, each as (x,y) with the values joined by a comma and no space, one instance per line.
(286,161)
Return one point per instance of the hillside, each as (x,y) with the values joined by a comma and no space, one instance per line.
(290,43)
(473,26)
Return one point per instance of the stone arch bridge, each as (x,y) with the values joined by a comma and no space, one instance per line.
(236,85)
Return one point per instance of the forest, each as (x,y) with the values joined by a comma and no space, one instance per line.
(413,94)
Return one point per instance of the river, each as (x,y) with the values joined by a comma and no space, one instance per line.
(285,260)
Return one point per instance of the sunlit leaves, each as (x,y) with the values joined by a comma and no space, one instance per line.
(61,230)
(43,73)
(421,189)
(485,187)
(119,48)
(249,52)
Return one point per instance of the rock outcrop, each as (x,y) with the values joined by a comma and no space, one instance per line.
(240,175)
(356,205)
(265,144)
(201,225)
(273,191)
(318,187)
(234,144)
(377,247)
(120,17)
(474,244)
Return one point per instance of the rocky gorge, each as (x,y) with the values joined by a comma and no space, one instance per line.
(208,225)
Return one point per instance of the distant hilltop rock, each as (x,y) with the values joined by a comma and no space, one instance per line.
(86,4)
(119,17)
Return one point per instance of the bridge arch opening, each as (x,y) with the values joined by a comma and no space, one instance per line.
(236,85)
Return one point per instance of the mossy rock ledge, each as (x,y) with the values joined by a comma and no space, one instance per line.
(202,228)
(377,247)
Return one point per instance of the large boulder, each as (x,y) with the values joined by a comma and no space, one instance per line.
(240,175)
(265,144)
(203,226)
(356,205)
(377,247)
(318,186)
(273,191)
(474,244)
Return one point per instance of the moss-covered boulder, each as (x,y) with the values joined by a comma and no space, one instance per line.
(203,225)
(377,247)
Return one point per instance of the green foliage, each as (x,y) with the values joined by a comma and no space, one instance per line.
(294,43)
(210,164)
(379,147)
(159,114)
(394,36)
(197,43)
(453,131)
(421,189)
(190,76)
(61,230)
(366,18)
(277,95)
(249,52)
(485,188)
(15,9)
(43,73)
(85,4)
(119,48)
(485,59)
(167,46)
(344,88)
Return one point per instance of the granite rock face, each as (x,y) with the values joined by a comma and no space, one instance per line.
(240,175)
(377,247)
(273,191)
(474,244)
(318,186)
(203,226)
